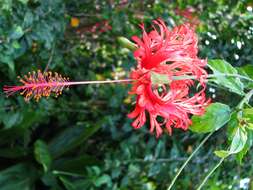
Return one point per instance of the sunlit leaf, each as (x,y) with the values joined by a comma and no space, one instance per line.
(104,179)
(237,145)
(239,141)
(216,116)
(240,155)
(246,71)
(219,67)
(222,153)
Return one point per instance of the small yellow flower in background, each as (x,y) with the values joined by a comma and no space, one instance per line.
(74,22)
(127,100)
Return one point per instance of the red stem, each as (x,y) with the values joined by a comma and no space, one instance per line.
(98,82)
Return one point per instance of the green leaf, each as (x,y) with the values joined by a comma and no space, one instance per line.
(250,126)
(75,164)
(11,119)
(219,66)
(81,184)
(17,33)
(42,154)
(21,176)
(232,126)
(243,152)
(237,145)
(216,116)
(238,141)
(248,113)
(68,185)
(50,179)
(104,179)
(246,71)
(159,78)
(126,43)
(23,1)
(71,138)
(13,152)
(222,153)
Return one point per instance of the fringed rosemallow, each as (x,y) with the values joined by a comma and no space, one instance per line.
(172,57)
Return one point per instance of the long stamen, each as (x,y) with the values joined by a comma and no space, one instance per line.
(37,84)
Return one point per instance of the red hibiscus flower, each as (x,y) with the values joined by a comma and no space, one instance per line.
(173,55)
(177,46)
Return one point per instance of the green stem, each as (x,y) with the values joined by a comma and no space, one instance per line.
(230,75)
(183,77)
(210,173)
(245,99)
(188,159)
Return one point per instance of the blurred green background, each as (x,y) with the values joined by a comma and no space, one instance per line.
(83,139)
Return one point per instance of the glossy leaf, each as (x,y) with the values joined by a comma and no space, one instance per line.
(231,82)
(76,165)
(42,154)
(19,176)
(237,145)
(17,33)
(243,152)
(104,179)
(238,141)
(71,138)
(246,71)
(215,117)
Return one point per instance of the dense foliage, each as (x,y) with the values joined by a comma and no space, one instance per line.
(83,139)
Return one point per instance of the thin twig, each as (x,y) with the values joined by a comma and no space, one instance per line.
(189,158)
(230,75)
(245,99)
(164,160)
(98,82)
(50,59)
(210,173)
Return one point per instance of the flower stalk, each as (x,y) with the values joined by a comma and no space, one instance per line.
(38,83)
(188,160)
(210,173)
